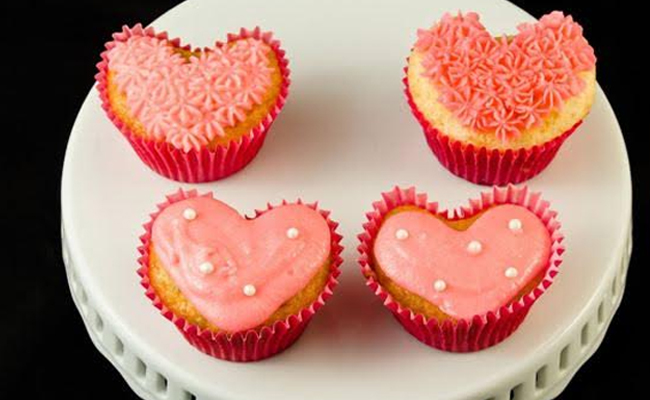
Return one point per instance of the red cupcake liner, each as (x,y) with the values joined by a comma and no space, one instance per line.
(481,331)
(483,166)
(252,344)
(202,165)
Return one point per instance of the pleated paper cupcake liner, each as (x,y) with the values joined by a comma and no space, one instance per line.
(252,344)
(481,331)
(202,165)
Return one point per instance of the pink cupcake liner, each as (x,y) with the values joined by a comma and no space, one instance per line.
(481,331)
(480,165)
(202,165)
(253,344)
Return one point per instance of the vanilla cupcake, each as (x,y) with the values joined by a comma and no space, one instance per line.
(240,289)
(496,110)
(193,115)
(461,281)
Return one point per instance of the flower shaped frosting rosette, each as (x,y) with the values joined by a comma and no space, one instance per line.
(493,110)
(484,329)
(193,115)
(244,345)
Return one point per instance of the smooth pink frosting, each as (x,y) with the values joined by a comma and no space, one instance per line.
(189,103)
(494,86)
(474,283)
(243,252)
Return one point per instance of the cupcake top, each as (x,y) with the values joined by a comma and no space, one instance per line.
(464,267)
(237,272)
(187,98)
(507,87)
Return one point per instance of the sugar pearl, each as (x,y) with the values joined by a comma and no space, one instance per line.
(511,272)
(249,290)
(401,234)
(439,285)
(206,268)
(515,225)
(474,247)
(189,214)
(292,233)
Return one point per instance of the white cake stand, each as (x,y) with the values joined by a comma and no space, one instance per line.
(345,136)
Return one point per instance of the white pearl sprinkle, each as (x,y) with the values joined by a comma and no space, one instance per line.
(515,225)
(189,214)
(511,272)
(474,247)
(439,285)
(206,268)
(402,234)
(292,233)
(249,290)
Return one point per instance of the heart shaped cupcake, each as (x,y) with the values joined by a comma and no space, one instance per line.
(193,115)
(496,110)
(461,281)
(224,279)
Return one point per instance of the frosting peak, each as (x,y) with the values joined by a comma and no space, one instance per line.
(505,85)
(190,100)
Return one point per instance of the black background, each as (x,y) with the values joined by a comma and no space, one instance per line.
(48,63)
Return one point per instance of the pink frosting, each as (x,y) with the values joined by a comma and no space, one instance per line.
(258,252)
(189,103)
(494,86)
(473,282)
